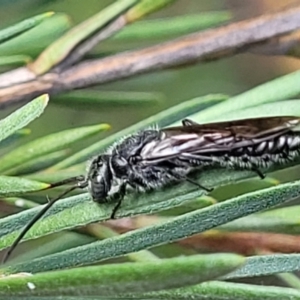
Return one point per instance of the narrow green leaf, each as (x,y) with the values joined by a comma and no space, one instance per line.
(281,220)
(60,49)
(215,290)
(144,238)
(11,186)
(15,137)
(53,176)
(266,265)
(52,244)
(108,98)
(281,108)
(169,27)
(14,60)
(22,117)
(162,119)
(196,203)
(33,41)
(80,210)
(278,89)
(46,145)
(116,279)
(38,163)
(23,26)
(145,7)
(100,232)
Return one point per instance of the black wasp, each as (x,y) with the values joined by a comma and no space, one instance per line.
(154,158)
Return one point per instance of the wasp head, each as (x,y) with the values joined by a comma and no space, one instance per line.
(100,178)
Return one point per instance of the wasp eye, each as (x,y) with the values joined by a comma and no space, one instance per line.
(120,161)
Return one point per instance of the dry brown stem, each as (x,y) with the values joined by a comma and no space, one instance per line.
(268,34)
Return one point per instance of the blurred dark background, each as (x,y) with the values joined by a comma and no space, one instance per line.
(230,75)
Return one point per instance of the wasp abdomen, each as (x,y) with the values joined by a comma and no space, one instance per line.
(280,150)
(282,144)
(263,155)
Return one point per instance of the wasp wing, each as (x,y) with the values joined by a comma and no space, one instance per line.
(216,137)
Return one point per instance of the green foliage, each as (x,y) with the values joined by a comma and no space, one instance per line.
(46,145)
(15,30)
(168,27)
(159,268)
(79,210)
(111,280)
(45,32)
(22,117)
(217,290)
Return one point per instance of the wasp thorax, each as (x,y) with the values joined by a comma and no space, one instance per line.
(120,166)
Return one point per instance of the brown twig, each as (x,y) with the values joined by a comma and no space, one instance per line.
(93,41)
(251,35)
(246,243)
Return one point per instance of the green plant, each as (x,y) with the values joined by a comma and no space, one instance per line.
(75,251)
(155,269)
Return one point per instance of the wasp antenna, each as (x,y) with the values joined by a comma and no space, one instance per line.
(74,179)
(33,221)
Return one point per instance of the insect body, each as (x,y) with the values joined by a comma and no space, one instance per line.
(154,158)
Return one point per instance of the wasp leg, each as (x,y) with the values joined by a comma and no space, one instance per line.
(119,197)
(182,178)
(259,173)
(199,185)
(188,122)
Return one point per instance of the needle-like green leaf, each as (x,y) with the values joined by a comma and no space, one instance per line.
(117,279)
(281,220)
(175,229)
(278,89)
(262,265)
(45,145)
(62,47)
(110,99)
(38,163)
(12,186)
(216,290)
(168,27)
(23,26)
(22,117)
(33,41)
(14,60)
